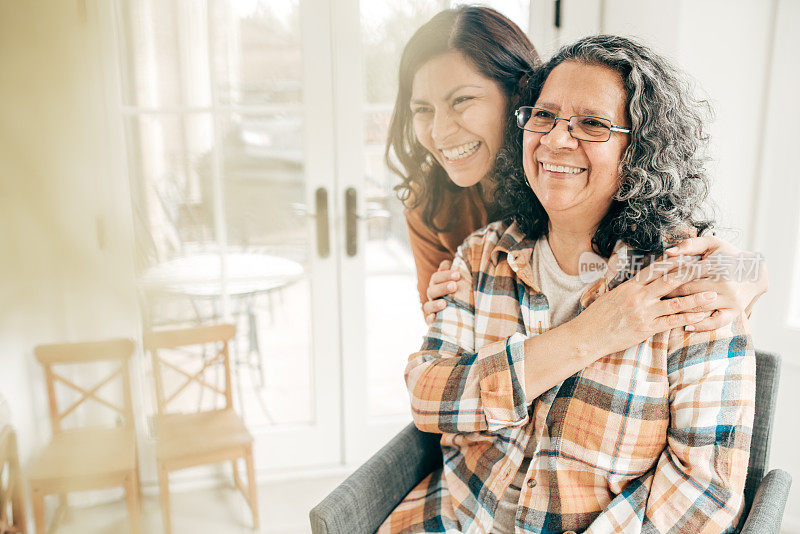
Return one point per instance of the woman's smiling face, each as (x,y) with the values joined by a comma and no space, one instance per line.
(459,116)
(577,180)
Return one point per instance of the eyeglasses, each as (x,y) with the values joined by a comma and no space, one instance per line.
(582,127)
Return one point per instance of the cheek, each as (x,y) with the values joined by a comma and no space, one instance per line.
(422,133)
(486,123)
(529,143)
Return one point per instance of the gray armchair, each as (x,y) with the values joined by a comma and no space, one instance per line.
(363,501)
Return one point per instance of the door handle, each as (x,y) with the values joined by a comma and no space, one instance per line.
(321,216)
(351,221)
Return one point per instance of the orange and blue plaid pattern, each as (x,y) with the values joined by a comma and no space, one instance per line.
(651,439)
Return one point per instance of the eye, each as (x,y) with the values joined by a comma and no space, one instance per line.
(462,99)
(542,114)
(590,122)
(420,110)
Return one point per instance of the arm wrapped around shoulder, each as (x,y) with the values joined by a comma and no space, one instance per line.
(455,387)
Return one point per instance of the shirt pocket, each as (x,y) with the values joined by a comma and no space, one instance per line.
(610,423)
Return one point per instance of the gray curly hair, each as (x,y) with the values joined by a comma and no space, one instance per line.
(663,177)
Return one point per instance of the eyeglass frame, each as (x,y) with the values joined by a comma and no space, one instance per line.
(613,127)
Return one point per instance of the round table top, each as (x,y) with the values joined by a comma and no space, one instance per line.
(199,275)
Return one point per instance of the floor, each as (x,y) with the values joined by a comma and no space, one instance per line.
(284,510)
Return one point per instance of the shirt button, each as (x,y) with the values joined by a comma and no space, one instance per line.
(531,482)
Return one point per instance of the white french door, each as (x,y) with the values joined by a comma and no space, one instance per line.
(229,121)
(256,132)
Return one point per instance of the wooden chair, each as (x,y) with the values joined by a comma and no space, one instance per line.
(12,506)
(186,440)
(87,458)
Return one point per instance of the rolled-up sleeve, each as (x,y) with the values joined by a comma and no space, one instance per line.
(455,386)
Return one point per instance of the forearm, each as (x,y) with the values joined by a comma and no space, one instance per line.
(553,356)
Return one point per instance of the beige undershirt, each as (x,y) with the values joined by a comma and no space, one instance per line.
(563,292)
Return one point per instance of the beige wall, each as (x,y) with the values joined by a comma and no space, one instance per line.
(66,270)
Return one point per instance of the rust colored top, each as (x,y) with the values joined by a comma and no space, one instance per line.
(468,212)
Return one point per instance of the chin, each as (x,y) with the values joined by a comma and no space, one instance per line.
(466,179)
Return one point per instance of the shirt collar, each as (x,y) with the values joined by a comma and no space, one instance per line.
(516,248)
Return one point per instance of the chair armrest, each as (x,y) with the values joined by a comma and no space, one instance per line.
(766,512)
(366,498)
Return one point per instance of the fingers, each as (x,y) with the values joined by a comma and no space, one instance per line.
(445,265)
(690,288)
(440,277)
(716,320)
(661,266)
(437,291)
(674,279)
(678,320)
(432,307)
(694,245)
(688,303)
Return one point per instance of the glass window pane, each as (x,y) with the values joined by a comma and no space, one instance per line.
(165,53)
(257,52)
(268,233)
(393,332)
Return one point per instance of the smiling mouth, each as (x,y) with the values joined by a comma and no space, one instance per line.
(562,169)
(460,152)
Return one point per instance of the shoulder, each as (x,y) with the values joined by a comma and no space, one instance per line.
(481,248)
(457,215)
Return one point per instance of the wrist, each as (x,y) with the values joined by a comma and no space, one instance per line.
(583,345)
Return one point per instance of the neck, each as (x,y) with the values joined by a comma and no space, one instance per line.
(488,187)
(568,243)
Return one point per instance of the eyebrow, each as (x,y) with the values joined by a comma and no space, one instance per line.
(582,111)
(450,93)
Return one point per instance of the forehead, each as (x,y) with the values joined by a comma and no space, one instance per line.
(580,88)
(442,73)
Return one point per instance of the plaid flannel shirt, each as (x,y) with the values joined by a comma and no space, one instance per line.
(651,439)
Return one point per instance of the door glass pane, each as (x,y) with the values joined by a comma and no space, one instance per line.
(222,228)
(393,331)
(165,45)
(268,228)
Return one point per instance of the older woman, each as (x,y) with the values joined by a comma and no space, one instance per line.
(652,432)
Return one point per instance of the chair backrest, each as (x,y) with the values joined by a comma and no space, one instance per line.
(12,507)
(114,351)
(161,340)
(768,371)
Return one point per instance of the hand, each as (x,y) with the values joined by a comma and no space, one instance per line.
(736,294)
(443,282)
(635,311)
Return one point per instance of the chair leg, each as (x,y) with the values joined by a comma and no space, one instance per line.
(62,513)
(251,479)
(163,490)
(132,502)
(39,521)
(236,480)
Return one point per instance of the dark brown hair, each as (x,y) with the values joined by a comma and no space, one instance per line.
(497,48)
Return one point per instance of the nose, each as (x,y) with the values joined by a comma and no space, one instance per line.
(444,124)
(559,136)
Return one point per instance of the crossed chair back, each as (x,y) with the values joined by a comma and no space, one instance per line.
(86,456)
(173,339)
(54,357)
(186,440)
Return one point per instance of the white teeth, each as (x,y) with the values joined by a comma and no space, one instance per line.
(561,168)
(461,152)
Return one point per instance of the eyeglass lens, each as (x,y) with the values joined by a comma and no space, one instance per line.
(582,127)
